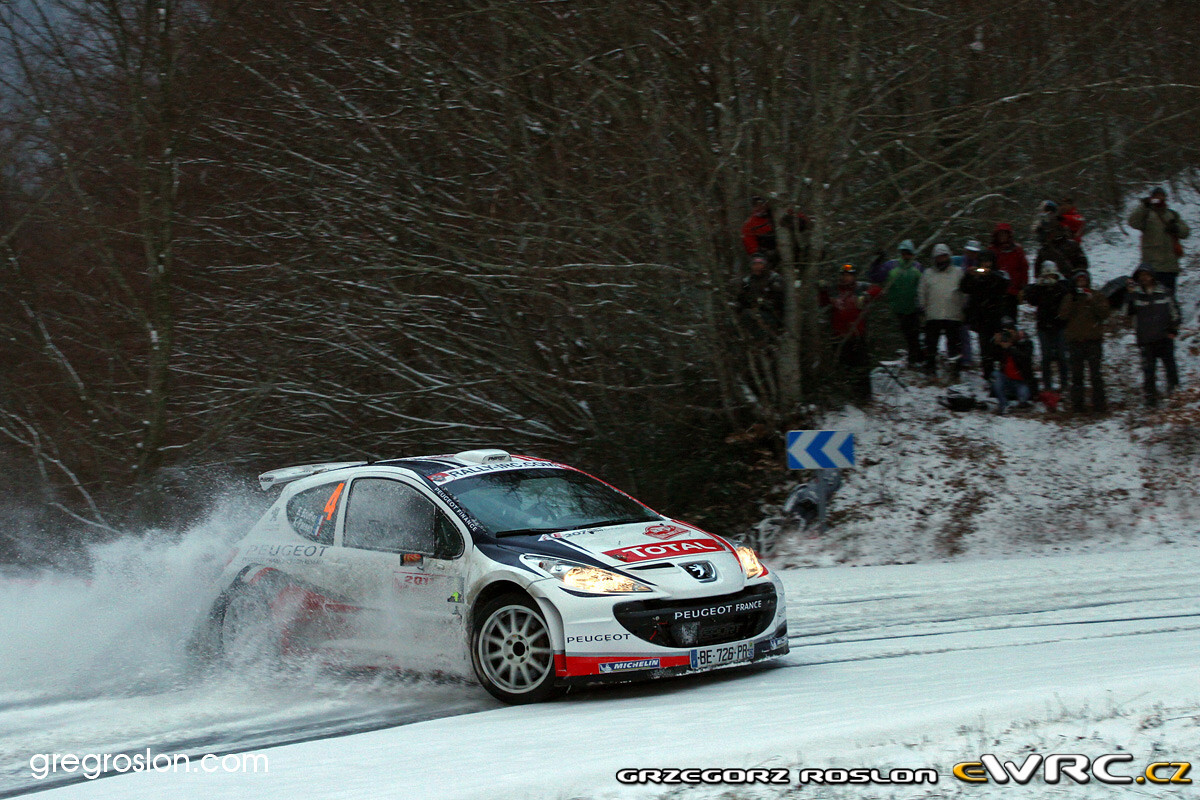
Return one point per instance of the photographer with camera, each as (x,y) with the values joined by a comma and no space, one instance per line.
(1162,230)
(1014,373)
(1084,312)
(986,290)
(1156,317)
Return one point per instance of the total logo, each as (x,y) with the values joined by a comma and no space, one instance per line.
(648,552)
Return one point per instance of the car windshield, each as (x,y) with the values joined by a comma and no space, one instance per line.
(529,501)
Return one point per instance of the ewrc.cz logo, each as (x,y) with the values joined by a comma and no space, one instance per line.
(1078,768)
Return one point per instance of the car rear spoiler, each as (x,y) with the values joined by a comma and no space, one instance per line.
(278,477)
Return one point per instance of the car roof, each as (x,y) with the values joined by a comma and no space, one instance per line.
(421,465)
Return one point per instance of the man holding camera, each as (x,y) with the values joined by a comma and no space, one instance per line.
(986,290)
(1084,312)
(1014,372)
(1162,230)
(1156,317)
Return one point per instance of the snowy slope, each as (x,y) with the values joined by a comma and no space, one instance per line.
(909,665)
(936,484)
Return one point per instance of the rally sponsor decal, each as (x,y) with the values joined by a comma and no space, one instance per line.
(664,531)
(598,637)
(607,667)
(546,537)
(649,552)
(720,611)
(473,525)
(285,550)
(580,666)
(466,472)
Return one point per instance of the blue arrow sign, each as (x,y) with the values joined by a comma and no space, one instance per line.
(820,449)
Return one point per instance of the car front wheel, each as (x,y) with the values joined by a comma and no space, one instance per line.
(512,652)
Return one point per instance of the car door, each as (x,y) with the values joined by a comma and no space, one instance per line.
(402,555)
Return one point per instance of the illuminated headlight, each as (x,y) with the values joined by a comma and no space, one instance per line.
(750,563)
(581,578)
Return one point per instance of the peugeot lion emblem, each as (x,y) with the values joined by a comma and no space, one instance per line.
(701,570)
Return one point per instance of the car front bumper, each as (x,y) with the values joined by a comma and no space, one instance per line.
(627,638)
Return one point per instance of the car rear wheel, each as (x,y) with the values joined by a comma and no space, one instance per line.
(512,652)
(250,633)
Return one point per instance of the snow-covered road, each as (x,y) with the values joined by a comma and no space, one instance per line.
(892,666)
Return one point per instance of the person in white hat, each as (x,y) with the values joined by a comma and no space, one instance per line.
(943,303)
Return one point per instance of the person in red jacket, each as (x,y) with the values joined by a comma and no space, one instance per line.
(1011,260)
(1069,215)
(849,302)
(758,232)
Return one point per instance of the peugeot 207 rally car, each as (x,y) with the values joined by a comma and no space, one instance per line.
(534,574)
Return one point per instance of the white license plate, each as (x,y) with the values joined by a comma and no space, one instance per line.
(721,654)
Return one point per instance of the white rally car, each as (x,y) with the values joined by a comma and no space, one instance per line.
(534,574)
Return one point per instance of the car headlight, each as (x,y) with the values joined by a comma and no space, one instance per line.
(750,563)
(582,578)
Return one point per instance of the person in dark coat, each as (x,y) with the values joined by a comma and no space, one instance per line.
(1014,368)
(1156,317)
(760,300)
(986,290)
(1063,250)
(849,302)
(1046,296)
(1045,222)
(1084,312)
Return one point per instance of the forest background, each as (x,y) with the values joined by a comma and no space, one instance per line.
(240,235)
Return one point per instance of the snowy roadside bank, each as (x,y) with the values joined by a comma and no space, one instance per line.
(938,484)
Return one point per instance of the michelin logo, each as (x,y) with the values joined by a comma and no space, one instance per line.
(625,666)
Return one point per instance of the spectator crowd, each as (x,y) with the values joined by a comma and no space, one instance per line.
(970,302)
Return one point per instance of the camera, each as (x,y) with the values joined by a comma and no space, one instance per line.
(1007,337)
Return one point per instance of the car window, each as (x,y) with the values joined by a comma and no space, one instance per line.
(313,512)
(391,516)
(537,500)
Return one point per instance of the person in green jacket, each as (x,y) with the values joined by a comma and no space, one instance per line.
(1162,229)
(900,290)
